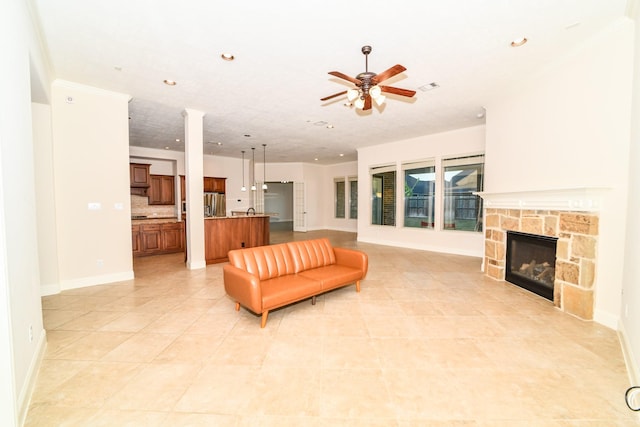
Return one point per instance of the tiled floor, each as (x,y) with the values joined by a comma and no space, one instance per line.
(428,342)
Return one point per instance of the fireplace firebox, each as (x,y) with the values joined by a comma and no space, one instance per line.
(531,262)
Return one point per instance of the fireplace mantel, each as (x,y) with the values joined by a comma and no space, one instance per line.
(567,199)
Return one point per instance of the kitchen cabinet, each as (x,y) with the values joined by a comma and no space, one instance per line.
(135,239)
(139,178)
(210,185)
(159,238)
(162,190)
(224,234)
(214,185)
(172,235)
(150,238)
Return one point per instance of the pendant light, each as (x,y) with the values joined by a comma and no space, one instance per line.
(264,166)
(243,187)
(253,153)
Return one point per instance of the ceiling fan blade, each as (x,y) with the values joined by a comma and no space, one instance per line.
(367,102)
(345,77)
(396,69)
(397,91)
(333,96)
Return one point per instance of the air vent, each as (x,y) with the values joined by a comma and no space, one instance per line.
(428,87)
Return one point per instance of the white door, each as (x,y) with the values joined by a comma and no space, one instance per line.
(299,212)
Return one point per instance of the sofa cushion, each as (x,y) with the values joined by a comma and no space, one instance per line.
(266,262)
(308,254)
(333,276)
(287,289)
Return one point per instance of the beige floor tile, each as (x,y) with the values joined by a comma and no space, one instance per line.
(92,346)
(155,387)
(141,347)
(429,341)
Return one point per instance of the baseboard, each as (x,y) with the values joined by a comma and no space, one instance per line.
(196,265)
(24,399)
(629,358)
(96,280)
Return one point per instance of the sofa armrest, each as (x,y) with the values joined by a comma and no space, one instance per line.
(243,287)
(352,258)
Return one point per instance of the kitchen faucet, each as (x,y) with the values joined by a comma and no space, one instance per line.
(253,211)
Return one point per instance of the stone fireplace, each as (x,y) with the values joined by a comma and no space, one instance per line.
(572,217)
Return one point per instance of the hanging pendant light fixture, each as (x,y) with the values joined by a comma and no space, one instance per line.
(243,187)
(253,153)
(264,166)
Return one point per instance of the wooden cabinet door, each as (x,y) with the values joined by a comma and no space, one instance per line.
(172,237)
(135,239)
(208,184)
(162,190)
(219,185)
(151,238)
(183,189)
(139,175)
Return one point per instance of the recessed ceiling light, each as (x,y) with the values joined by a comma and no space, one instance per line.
(341,155)
(177,139)
(169,82)
(166,148)
(519,42)
(227,56)
(316,159)
(429,86)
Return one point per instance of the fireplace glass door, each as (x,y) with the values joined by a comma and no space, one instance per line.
(531,262)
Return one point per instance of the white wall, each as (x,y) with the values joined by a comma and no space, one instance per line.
(630,302)
(567,126)
(459,142)
(20,307)
(45,199)
(91,157)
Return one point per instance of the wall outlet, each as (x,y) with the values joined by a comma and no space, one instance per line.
(30,333)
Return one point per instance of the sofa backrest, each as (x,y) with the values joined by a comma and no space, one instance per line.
(307,254)
(266,262)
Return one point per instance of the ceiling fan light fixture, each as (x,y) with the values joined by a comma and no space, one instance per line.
(359,103)
(353,94)
(379,100)
(375,91)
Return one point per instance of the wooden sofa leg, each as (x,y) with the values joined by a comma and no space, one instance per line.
(313,300)
(237,306)
(263,322)
(358,286)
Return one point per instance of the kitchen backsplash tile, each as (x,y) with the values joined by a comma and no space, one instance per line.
(140,206)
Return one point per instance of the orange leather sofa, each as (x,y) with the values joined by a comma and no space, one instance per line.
(264,278)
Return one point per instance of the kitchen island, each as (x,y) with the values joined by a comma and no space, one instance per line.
(222,234)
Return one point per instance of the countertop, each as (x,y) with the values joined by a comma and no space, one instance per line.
(137,220)
(259,215)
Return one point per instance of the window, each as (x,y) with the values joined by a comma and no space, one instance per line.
(339,197)
(419,194)
(353,198)
(383,195)
(463,176)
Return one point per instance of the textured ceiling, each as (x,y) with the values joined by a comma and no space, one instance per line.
(283,51)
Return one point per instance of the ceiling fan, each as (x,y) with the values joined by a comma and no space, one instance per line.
(367,85)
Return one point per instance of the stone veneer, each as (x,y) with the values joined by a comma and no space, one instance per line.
(577,234)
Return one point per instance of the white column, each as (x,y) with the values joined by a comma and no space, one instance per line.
(193,166)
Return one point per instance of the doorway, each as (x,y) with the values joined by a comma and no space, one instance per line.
(278,202)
